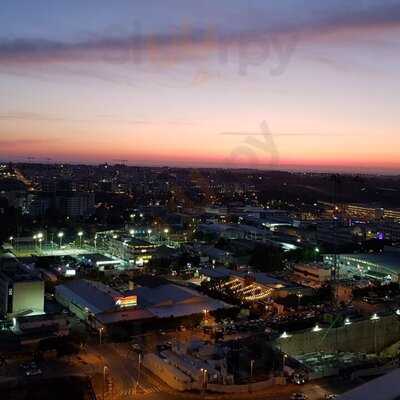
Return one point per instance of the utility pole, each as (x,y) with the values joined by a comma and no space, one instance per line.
(251,374)
(138,374)
(105,369)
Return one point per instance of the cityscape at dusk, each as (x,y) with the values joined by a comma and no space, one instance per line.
(199,200)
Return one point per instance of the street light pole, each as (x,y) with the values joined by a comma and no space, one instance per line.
(299,296)
(80,234)
(375,318)
(105,369)
(205,311)
(204,372)
(166,231)
(251,374)
(100,335)
(60,237)
(138,374)
(284,363)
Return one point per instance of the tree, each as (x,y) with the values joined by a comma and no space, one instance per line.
(267,258)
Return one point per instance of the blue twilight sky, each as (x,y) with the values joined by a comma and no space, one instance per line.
(167,81)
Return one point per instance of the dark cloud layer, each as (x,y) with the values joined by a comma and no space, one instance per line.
(186,43)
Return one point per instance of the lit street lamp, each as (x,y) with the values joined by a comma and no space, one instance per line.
(347,322)
(317,328)
(375,318)
(285,356)
(11,240)
(100,335)
(39,237)
(60,238)
(299,297)
(166,232)
(205,315)
(204,378)
(284,335)
(125,250)
(80,234)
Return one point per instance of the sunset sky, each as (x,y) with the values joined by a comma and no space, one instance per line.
(304,84)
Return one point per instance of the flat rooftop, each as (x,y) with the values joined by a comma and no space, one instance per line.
(13,270)
(388,259)
(97,258)
(131,241)
(172,300)
(98,298)
(383,388)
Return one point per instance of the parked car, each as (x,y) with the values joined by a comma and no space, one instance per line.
(33,372)
(298,396)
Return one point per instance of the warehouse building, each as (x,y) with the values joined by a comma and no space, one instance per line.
(21,289)
(101,306)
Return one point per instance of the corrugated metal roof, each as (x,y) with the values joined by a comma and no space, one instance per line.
(96,297)
(384,388)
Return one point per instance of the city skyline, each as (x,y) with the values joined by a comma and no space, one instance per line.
(160,84)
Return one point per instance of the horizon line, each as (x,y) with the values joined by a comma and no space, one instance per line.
(284,168)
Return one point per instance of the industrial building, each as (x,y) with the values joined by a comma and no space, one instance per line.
(170,300)
(127,247)
(21,289)
(313,275)
(100,305)
(86,299)
(251,286)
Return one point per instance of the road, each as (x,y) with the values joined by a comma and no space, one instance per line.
(123,366)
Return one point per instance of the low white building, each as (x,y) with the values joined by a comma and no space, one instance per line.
(313,275)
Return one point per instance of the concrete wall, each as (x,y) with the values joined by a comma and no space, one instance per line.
(168,373)
(361,336)
(254,387)
(28,296)
(176,379)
